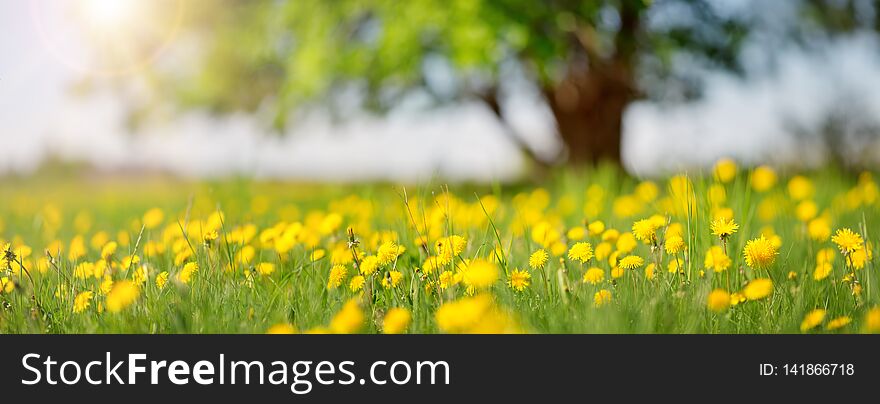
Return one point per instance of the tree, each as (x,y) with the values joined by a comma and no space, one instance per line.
(589,59)
(585,57)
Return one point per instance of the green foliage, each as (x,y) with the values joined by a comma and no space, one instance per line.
(284,55)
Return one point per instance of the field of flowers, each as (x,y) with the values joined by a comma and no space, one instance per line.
(729,251)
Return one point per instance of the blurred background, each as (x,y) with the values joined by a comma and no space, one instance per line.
(352,90)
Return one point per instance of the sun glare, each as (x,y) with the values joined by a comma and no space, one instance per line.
(107,37)
(109,14)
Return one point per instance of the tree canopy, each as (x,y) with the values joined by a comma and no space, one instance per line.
(588,58)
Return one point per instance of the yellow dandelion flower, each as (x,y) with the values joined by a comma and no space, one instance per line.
(812,320)
(819,229)
(519,280)
(130,261)
(387,253)
(396,321)
(626,243)
(430,265)
(349,320)
(800,188)
(106,285)
(538,259)
(717,260)
(825,255)
(139,275)
(341,255)
(718,300)
(282,328)
(357,283)
(861,257)
(462,315)
(603,251)
(725,170)
(631,262)
(627,206)
(246,255)
(717,195)
(392,279)
(212,235)
(447,279)
(610,235)
(737,298)
(674,245)
(82,301)
(602,298)
(758,289)
(182,257)
(722,213)
(614,258)
(724,228)
(594,276)
(806,211)
(645,231)
(763,179)
(822,271)
(123,238)
(369,265)
(123,294)
(838,323)
(317,254)
(582,252)
(337,275)
(649,271)
(186,274)
(108,250)
(576,233)
(544,234)
(84,270)
(77,248)
(474,315)
(153,218)
(857,290)
(848,241)
(647,191)
(676,265)
(558,249)
(162,279)
(6,285)
(450,247)
(596,228)
(872,321)
(659,221)
(330,223)
(265,268)
(760,253)
(480,274)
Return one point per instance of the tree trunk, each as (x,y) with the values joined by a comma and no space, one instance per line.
(588,107)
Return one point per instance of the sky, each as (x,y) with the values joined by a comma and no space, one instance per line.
(748,117)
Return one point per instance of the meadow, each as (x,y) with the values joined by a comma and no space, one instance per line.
(727,250)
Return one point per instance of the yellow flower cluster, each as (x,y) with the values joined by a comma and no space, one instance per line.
(731,246)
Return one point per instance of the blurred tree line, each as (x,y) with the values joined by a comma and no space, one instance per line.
(589,59)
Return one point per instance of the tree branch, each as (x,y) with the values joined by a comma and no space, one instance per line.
(490,98)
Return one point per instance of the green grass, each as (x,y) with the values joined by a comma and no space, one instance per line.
(557,301)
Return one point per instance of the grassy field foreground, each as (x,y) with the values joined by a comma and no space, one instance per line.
(728,251)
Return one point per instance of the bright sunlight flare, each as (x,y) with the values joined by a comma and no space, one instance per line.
(109,14)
